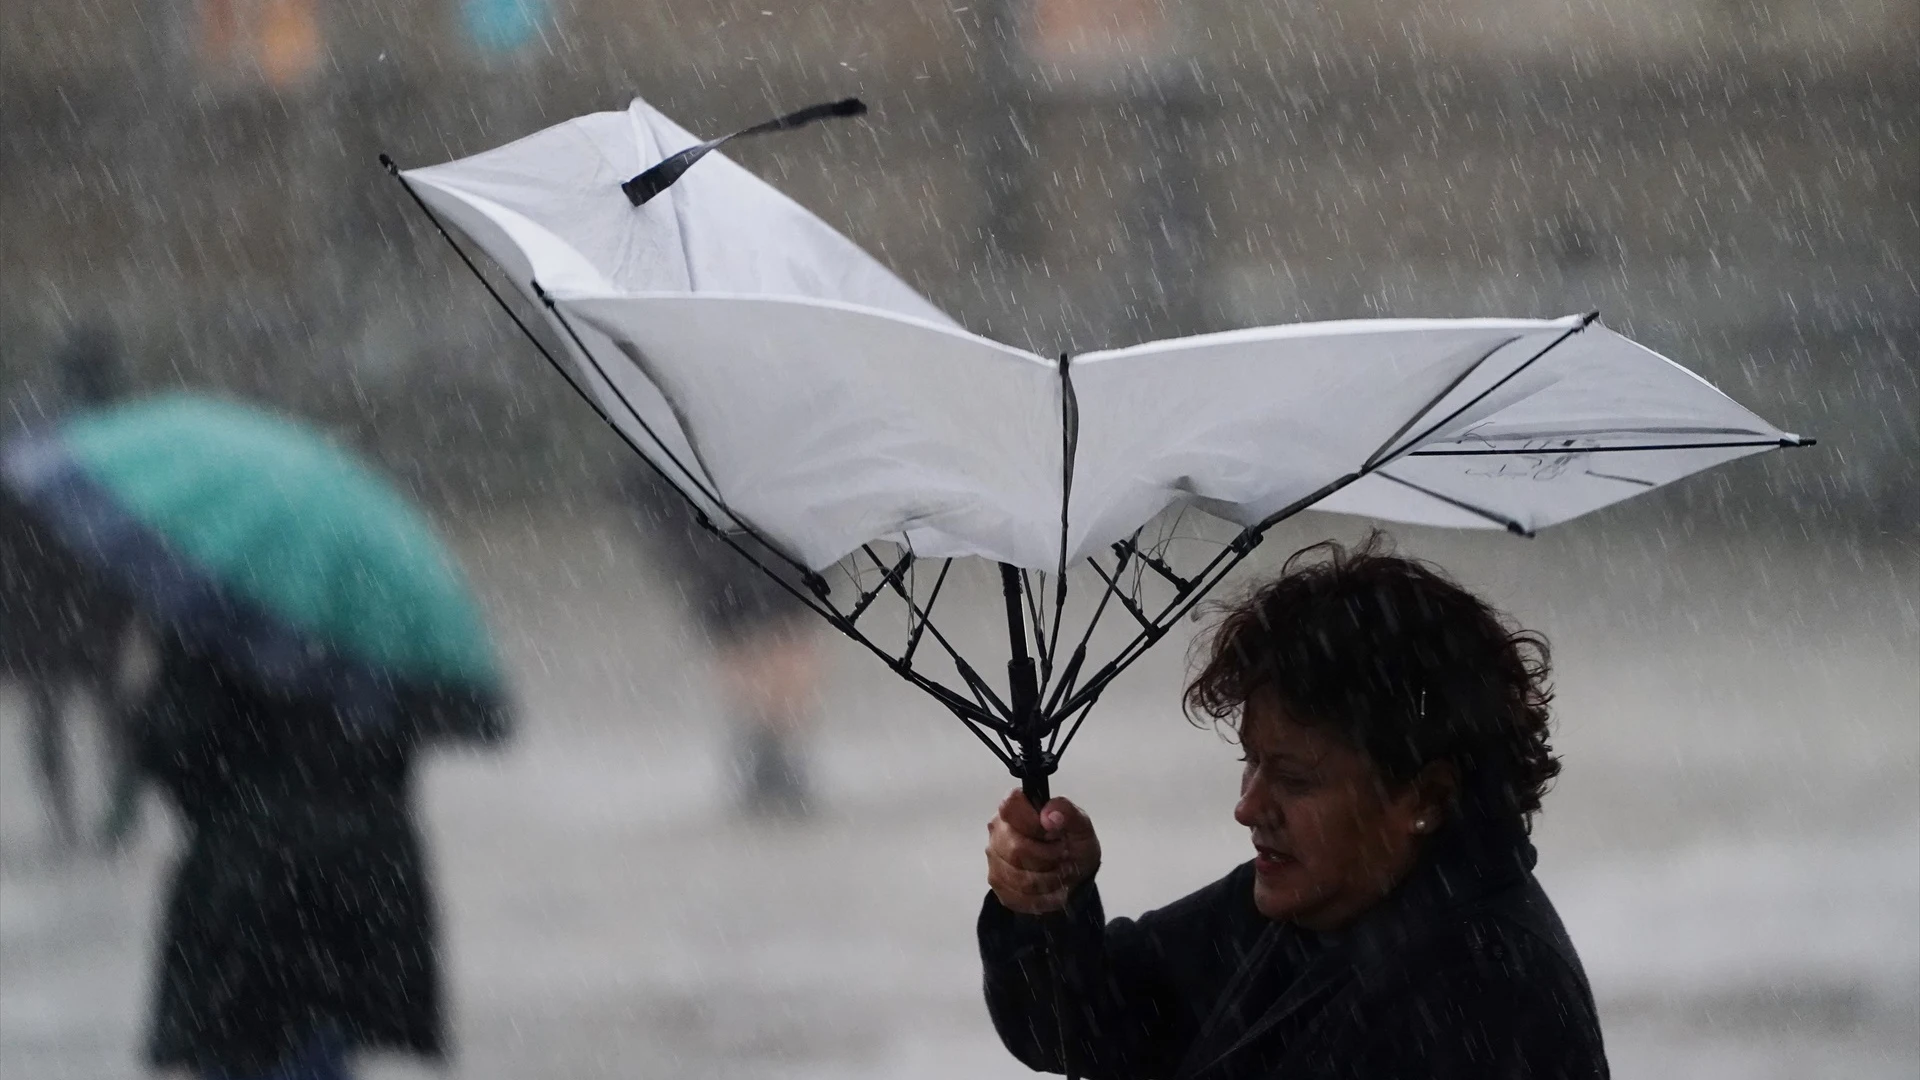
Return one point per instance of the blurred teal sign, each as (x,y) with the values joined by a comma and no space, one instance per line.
(503,25)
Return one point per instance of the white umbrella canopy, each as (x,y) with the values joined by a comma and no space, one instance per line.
(795,386)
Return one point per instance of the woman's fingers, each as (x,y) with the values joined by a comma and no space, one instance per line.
(1063,876)
(1026,892)
(1026,853)
(1019,815)
(1064,821)
(1036,857)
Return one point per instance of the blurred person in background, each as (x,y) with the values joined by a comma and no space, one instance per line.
(1394,733)
(312,635)
(764,645)
(84,647)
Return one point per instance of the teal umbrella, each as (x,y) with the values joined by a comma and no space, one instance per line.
(261,543)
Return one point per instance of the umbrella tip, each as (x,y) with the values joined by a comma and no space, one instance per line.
(387,164)
(1792,441)
(1589,319)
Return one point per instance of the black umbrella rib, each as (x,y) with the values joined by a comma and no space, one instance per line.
(633,413)
(807,574)
(988,700)
(1216,570)
(1086,710)
(889,577)
(394,171)
(919,627)
(1032,597)
(1157,565)
(1546,451)
(1067,676)
(1587,320)
(1072,670)
(1113,587)
(1451,386)
(1002,751)
(1497,518)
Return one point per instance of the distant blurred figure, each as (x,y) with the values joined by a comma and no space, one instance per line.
(764,644)
(60,627)
(84,643)
(313,635)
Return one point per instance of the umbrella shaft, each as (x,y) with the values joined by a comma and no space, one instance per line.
(1035,786)
(1034,764)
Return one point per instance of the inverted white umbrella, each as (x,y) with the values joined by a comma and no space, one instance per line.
(796,390)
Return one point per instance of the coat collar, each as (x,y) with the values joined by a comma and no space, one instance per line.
(1463,864)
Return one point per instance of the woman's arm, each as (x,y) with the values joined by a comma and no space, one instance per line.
(1133,993)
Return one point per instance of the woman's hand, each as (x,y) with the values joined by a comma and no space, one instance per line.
(1035,858)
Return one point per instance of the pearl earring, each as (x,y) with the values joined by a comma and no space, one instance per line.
(1419,824)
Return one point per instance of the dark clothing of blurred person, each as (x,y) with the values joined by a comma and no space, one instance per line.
(762,641)
(1394,737)
(299,923)
(61,629)
(87,630)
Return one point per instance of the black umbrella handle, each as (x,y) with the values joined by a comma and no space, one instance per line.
(1035,788)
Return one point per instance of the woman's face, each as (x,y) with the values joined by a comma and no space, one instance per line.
(1330,837)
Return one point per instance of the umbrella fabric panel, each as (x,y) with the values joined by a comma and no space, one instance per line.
(1245,423)
(274,514)
(522,247)
(825,426)
(634,405)
(555,195)
(549,208)
(1377,496)
(1533,440)
(1522,492)
(1596,387)
(555,198)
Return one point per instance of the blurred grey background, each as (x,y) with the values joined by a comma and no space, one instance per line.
(1736,842)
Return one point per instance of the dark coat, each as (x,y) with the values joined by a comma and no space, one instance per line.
(300,906)
(1463,972)
(57,619)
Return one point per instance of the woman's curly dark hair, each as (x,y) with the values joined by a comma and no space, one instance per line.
(1400,662)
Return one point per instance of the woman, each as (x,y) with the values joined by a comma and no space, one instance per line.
(299,926)
(1394,734)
